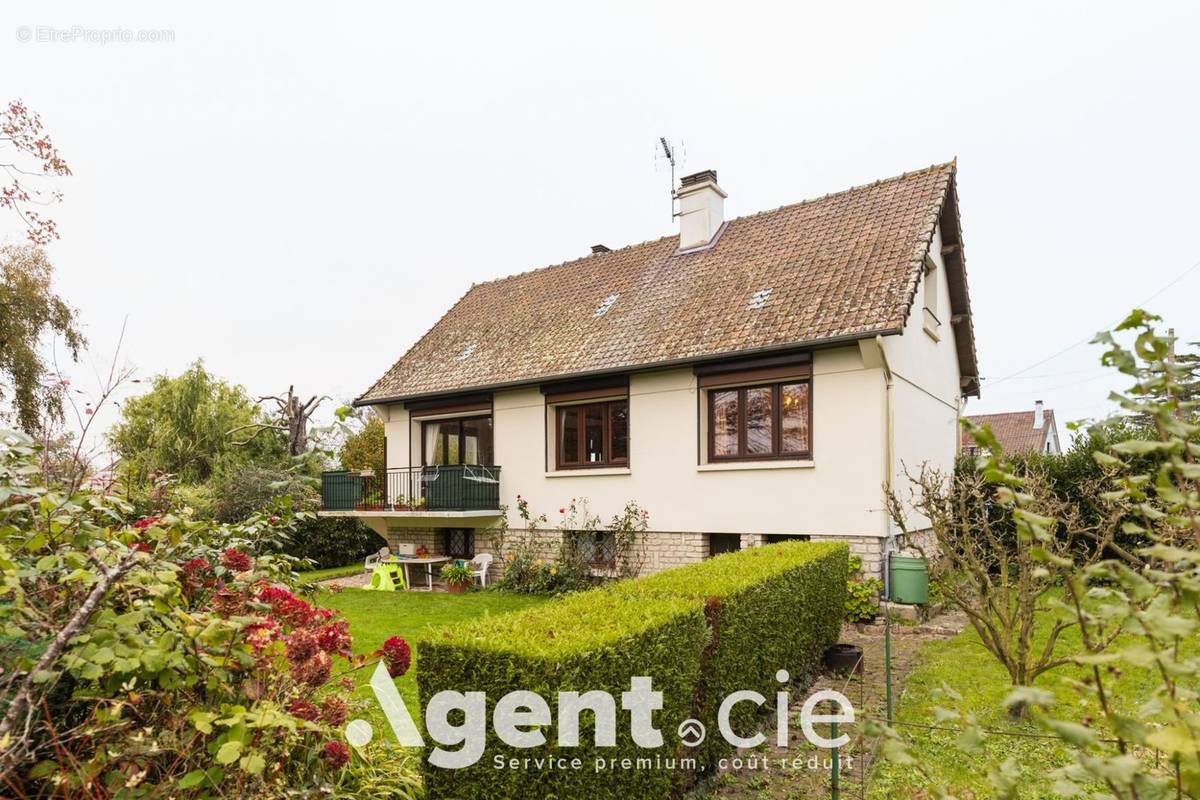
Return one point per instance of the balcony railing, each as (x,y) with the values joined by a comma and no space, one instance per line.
(436,488)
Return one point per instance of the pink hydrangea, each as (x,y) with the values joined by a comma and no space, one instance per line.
(398,656)
(235,560)
(334,710)
(303,709)
(336,754)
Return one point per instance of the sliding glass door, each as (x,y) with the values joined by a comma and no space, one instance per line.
(466,440)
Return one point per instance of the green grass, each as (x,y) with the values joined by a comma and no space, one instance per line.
(313,576)
(375,616)
(963,665)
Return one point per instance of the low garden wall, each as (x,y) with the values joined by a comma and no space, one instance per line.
(699,632)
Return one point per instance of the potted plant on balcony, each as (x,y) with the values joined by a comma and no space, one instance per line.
(457,576)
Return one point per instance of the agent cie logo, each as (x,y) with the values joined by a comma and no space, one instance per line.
(517,712)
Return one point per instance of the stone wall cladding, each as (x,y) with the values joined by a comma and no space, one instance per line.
(660,549)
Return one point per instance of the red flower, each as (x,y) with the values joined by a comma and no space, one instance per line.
(301,646)
(334,710)
(289,608)
(335,639)
(274,520)
(235,560)
(261,634)
(315,671)
(562,511)
(302,709)
(146,522)
(142,547)
(336,754)
(397,655)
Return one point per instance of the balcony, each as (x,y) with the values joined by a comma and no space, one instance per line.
(433,495)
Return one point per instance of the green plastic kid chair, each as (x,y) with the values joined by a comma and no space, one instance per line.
(387,577)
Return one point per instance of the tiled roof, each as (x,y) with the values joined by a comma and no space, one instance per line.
(842,266)
(1014,430)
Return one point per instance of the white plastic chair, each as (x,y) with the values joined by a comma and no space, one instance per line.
(372,561)
(479,567)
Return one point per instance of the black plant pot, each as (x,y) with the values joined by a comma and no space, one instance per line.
(844,658)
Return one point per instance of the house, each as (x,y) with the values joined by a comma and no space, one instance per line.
(745,380)
(1019,431)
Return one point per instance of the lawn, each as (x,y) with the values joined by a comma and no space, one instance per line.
(313,576)
(374,616)
(965,666)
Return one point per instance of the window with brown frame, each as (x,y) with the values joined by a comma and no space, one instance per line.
(592,435)
(760,422)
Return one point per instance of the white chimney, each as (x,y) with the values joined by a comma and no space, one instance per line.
(1039,417)
(701,209)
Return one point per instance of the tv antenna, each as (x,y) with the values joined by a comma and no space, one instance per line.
(668,151)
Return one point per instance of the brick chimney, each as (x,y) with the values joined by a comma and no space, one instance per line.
(701,209)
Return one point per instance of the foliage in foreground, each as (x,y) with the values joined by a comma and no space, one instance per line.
(1136,609)
(167,656)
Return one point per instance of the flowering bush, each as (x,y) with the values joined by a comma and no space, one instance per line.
(587,549)
(164,657)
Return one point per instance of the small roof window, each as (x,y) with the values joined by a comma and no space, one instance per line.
(759,299)
(604,306)
(467,351)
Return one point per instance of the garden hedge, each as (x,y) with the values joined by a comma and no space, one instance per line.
(591,640)
(700,632)
(770,608)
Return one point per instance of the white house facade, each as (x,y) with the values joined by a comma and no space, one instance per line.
(744,381)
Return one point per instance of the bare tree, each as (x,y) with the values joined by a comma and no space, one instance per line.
(291,418)
(69,457)
(998,550)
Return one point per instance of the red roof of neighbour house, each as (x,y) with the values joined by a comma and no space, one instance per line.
(841,267)
(1014,430)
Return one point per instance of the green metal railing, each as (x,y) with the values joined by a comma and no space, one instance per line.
(465,487)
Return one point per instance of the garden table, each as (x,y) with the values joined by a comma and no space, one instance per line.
(428,562)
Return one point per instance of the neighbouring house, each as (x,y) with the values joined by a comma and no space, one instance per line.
(1019,431)
(745,380)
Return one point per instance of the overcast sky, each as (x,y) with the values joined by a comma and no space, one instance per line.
(296,192)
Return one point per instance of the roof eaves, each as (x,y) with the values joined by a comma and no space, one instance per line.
(830,341)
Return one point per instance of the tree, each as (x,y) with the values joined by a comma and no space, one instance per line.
(291,418)
(365,449)
(28,159)
(994,557)
(181,427)
(29,310)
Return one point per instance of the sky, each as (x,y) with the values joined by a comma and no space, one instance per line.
(295,192)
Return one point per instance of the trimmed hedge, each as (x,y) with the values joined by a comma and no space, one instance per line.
(771,608)
(700,632)
(591,640)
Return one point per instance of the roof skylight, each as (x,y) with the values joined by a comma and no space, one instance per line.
(603,308)
(467,351)
(759,299)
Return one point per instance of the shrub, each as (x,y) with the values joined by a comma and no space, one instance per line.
(700,632)
(862,594)
(589,641)
(160,656)
(771,608)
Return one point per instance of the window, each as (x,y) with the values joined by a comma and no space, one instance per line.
(724,543)
(595,548)
(458,441)
(458,543)
(593,435)
(752,422)
(931,321)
